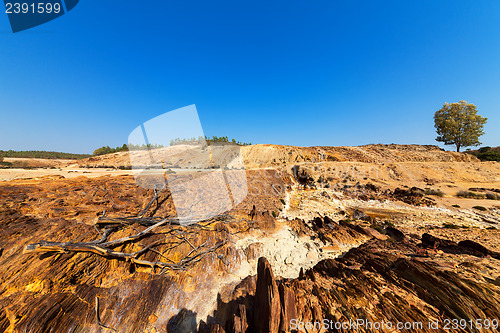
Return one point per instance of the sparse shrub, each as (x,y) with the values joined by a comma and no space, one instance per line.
(487,153)
(274,214)
(283,202)
(491,228)
(6,164)
(492,196)
(437,193)
(388,224)
(456,206)
(481,208)
(490,155)
(470,195)
(450,226)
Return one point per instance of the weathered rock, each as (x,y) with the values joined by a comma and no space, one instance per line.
(463,247)
(479,248)
(394,234)
(267,307)
(378,280)
(288,308)
(374,234)
(433,242)
(360,215)
(184,322)
(413,196)
(318,222)
(240,320)
(216,328)
(331,248)
(301,175)
(253,251)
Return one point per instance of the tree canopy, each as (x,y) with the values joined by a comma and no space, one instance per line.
(108,150)
(459,124)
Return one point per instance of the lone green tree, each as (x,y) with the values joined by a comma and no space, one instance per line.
(459,124)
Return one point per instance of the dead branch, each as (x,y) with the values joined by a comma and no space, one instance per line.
(104,248)
(99,317)
(106,222)
(155,197)
(131,257)
(176,235)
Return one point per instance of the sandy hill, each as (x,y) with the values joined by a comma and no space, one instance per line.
(265,155)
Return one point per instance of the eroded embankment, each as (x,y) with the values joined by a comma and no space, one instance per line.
(403,281)
(276,156)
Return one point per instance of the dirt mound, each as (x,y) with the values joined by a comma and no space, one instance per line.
(273,155)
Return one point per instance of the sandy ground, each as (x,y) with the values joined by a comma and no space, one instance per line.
(12,174)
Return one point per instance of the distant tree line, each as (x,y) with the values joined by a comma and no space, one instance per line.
(41,154)
(226,139)
(184,141)
(213,139)
(177,141)
(108,150)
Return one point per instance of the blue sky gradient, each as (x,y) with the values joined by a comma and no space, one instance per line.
(305,73)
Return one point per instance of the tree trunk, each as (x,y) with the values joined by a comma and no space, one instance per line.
(458,148)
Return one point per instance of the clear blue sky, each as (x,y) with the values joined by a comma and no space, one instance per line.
(319,72)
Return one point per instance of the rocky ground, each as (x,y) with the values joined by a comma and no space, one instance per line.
(325,238)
